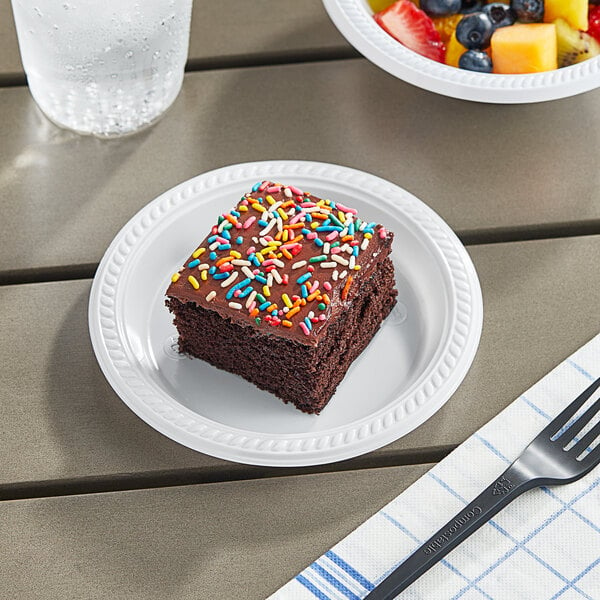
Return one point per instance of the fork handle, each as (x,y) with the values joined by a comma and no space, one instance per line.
(511,484)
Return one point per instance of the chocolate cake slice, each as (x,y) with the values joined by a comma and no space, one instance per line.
(286,290)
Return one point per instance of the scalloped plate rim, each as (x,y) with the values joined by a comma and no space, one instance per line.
(314,454)
(388,54)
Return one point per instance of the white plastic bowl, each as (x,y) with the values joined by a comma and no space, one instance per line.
(354,19)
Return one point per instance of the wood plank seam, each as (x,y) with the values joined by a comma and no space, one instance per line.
(230,472)
(194,65)
(529,233)
(468,238)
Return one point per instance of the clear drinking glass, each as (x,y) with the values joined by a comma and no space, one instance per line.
(103,67)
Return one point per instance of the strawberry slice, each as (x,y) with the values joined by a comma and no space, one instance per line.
(412,28)
(594,22)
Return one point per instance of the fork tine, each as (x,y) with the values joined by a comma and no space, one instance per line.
(592,459)
(586,440)
(567,414)
(582,420)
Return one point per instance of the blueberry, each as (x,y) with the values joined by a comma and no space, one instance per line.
(528,11)
(474,31)
(471,6)
(500,15)
(440,8)
(474,60)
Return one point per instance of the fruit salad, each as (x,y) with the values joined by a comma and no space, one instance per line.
(509,37)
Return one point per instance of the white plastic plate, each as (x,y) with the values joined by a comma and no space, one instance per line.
(410,369)
(354,19)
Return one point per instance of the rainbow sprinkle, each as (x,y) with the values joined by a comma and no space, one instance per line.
(278,227)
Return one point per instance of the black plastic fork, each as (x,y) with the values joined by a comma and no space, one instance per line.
(555,457)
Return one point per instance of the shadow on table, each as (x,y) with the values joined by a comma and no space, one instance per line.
(93,427)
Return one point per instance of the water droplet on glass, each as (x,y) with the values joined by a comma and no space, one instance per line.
(128,54)
(156,55)
(113,75)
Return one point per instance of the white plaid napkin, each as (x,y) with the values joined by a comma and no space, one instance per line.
(543,546)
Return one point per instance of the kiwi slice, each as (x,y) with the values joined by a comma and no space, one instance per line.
(574,46)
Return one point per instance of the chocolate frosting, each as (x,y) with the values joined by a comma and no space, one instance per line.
(287,227)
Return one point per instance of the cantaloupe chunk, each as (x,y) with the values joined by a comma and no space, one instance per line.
(574,12)
(524,48)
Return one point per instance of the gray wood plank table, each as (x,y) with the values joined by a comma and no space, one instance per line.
(94,503)
(540,302)
(527,190)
